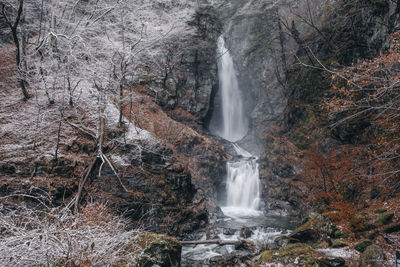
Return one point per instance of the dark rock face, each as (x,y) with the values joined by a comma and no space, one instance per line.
(252,31)
(190,78)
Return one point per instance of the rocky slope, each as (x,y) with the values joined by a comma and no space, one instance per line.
(164,167)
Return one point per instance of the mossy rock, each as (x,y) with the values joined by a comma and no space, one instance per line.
(289,254)
(362,245)
(341,234)
(367,227)
(380,211)
(339,244)
(392,228)
(313,230)
(372,235)
(162,250)
(331,262)
(384,218)
(373,256)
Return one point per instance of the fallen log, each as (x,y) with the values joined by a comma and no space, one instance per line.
(213,241)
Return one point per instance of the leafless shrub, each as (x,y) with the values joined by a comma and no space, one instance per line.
(58,238)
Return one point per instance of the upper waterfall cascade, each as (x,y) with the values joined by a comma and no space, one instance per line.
(242,184)
(234,125)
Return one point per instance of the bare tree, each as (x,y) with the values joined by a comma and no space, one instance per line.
(13,25)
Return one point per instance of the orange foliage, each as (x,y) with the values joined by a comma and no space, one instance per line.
(335,181)
(370,91)
(342,211)
(328,176)
(95,214)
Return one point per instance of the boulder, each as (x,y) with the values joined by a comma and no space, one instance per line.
(331,262)
(245,232)
(229,231)
(305,236)
(384,218)
(159,250)
(373,256)
(313,231)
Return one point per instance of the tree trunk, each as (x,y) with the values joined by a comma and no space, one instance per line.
(13,28)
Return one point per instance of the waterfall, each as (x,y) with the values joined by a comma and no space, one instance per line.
(234,125)
(243,187)
(242,184)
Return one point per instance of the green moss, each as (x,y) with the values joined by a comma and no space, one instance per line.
(362,245)
(379,211)
(147,238)
(392,228)
(373,256)
(371,236)
(341,234)
(160,248)
(292,251)
(318,223)
(384,218)
(339,244)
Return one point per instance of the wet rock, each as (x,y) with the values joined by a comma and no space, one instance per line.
(245,245)
(331,262)
(228,231)
(281,242)
(373,256)
(216,260)
(245,232)
(212,234)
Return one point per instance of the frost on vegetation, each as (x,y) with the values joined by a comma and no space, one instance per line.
(78,55)
(81,42)
(345,253)
(58,238)
(133,133)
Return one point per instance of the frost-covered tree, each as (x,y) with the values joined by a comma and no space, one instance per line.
(8,9)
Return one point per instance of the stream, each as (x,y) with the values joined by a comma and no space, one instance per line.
(241,208)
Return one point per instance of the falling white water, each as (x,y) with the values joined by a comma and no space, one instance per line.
(243,185)
(234,123)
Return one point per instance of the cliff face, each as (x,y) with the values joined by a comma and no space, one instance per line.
(271,42)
